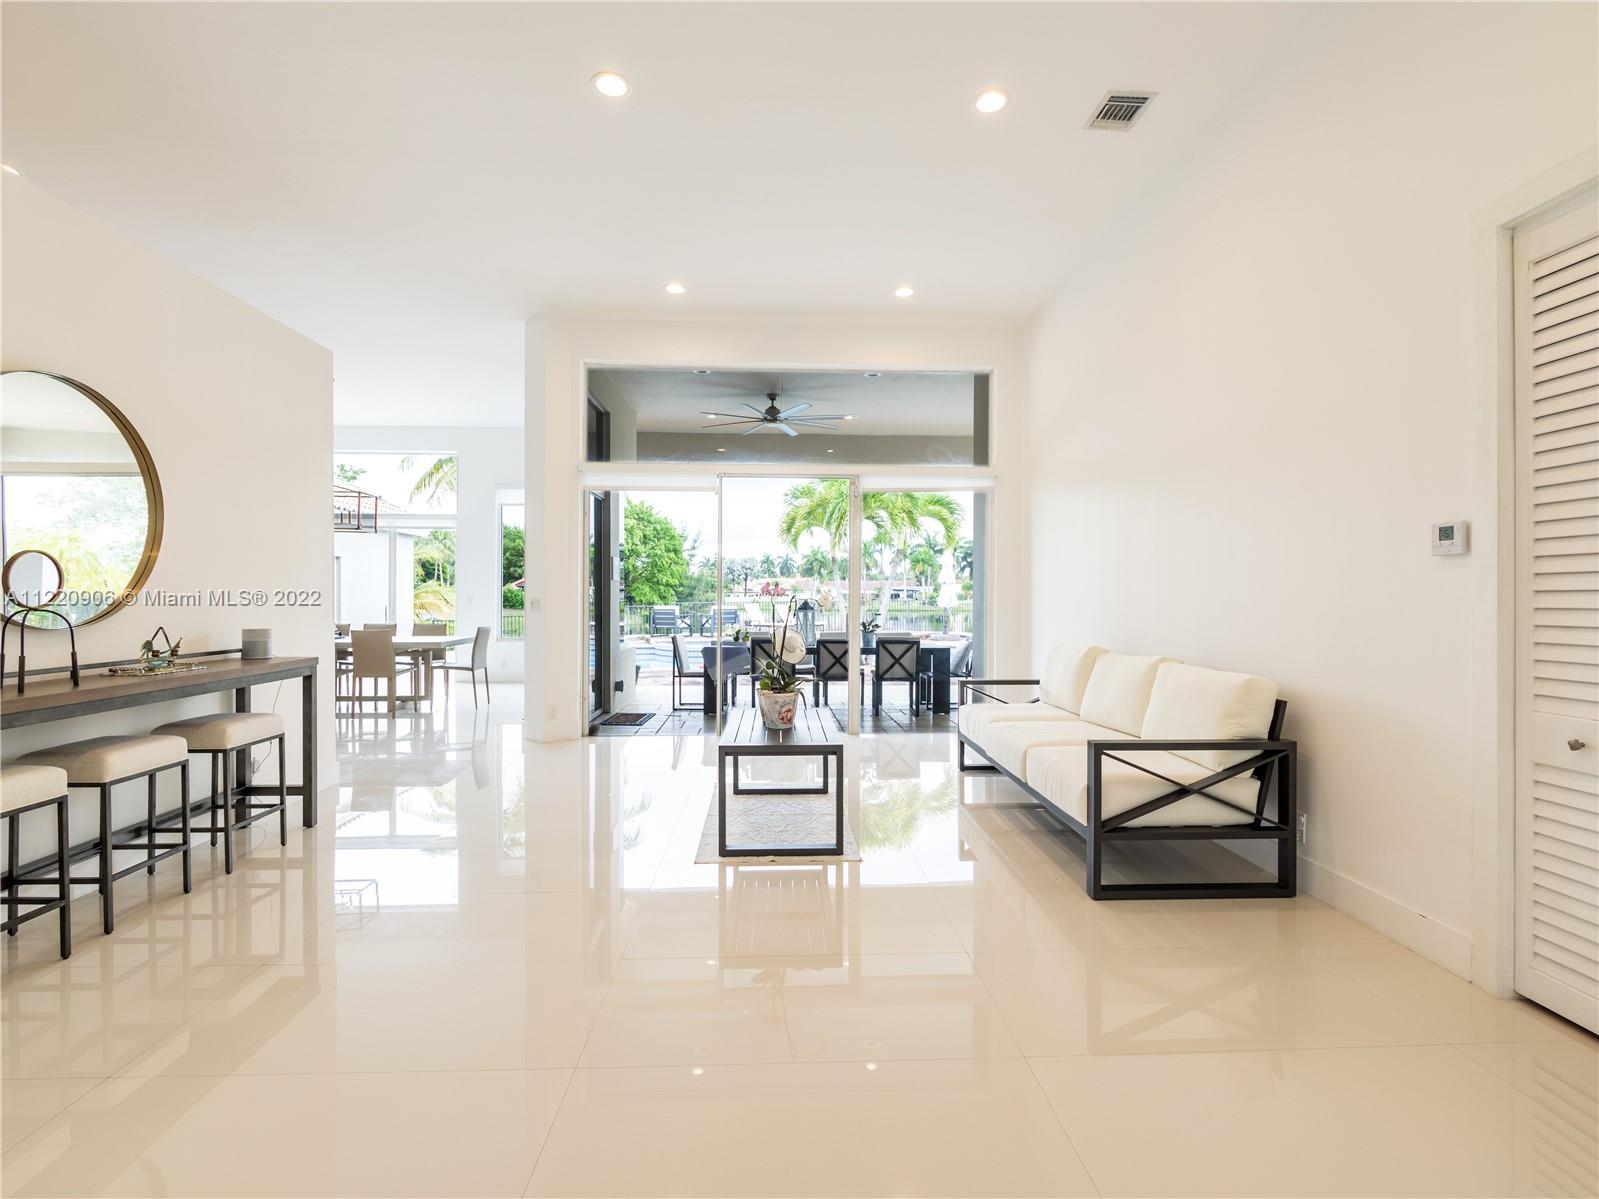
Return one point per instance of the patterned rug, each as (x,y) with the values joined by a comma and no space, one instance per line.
(777,820)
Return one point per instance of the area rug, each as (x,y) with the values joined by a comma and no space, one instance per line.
(630,718)
(777,820)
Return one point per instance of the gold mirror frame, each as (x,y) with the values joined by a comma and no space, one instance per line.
(152,493)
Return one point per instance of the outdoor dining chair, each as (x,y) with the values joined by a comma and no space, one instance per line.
(896,663)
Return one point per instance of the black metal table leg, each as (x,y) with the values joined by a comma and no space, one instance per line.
(308,750)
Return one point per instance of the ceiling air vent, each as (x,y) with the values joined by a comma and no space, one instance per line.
(1118,110)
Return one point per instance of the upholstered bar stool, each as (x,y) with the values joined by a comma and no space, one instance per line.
(102,763)
(26,789)
(222,736)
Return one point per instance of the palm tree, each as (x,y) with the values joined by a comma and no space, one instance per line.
(786,566)
(896,517)
(438,479)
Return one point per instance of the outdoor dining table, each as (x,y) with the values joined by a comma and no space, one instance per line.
(735,661)
(933,659)
(421,651)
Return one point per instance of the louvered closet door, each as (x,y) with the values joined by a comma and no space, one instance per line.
(1557,618)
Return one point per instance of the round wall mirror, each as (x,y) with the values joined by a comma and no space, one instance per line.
(80,503)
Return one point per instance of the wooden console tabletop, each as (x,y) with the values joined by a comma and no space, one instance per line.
(54,697)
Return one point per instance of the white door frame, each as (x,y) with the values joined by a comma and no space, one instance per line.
(1492,964)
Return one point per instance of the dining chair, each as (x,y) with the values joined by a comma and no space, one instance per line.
(960,667)
(895,662)
(682,673)
(479,661)
(380,628)
(762,648)
(372,657)
(433,628)
(832,665)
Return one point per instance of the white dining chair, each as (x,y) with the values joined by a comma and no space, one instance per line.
(479,661)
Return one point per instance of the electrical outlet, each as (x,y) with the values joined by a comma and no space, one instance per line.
(1299,831)
(549,712)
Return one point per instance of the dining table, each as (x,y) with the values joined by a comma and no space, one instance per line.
(422,650)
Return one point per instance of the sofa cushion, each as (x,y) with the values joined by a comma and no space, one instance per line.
(1060,774)
(1009,744)
(1118,691)
(1195,704)
(1065,676)
(976,719)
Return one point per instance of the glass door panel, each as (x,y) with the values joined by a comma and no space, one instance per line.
(785,560)
(922,600)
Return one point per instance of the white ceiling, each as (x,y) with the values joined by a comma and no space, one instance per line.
(923,403)
(406,183)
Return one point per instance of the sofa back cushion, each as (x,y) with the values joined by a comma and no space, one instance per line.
(1195,704)
(1118,691)
(1065,676)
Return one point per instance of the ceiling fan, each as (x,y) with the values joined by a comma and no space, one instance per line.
(773,417)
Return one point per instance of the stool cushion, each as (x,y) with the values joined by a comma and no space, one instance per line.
(24,786)
(106,759)
(225,730)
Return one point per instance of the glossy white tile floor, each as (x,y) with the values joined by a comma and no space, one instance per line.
(494,969)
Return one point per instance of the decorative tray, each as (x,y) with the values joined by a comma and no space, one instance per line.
(166,668)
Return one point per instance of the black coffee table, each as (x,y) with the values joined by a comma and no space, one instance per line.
(748,737)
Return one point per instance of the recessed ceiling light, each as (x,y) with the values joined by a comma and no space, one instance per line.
(829,451)
(849,418)
(721,449)
(675,289)
(874,374)
(610,83)
(904,292)
(700,370)
(10,170)
(991,99)
(709,415)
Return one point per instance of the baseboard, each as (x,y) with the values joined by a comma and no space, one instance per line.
(1449,947)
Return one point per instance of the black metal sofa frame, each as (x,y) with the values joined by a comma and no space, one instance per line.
(1273,760)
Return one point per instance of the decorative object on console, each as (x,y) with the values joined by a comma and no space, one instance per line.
(41,580)
(257,643)
(158,661)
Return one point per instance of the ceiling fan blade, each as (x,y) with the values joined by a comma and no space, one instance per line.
(813,424)
(816,416)
(729,415)
(754,428)
(786,429)
(797,408)
(760,412)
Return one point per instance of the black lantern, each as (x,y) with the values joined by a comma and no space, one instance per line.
(805,621)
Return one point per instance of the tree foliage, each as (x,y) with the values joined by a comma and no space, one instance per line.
(654,565)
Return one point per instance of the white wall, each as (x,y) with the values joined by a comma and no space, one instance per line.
(237,411)
(490,463)
(1250,407)
(558,348)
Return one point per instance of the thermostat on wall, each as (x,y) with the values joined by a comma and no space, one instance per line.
(1451,537)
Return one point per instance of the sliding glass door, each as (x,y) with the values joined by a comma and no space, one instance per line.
(785,557)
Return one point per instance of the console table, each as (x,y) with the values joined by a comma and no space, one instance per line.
(50,699)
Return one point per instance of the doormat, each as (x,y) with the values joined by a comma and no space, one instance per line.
(630,718)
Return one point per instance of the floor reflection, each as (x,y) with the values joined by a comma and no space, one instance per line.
(491,951)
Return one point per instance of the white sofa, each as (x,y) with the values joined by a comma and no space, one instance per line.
(1126,748)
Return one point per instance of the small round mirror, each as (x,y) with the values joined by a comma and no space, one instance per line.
(32,579)
(80,504)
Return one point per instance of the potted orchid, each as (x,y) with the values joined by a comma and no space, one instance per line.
(777,684)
